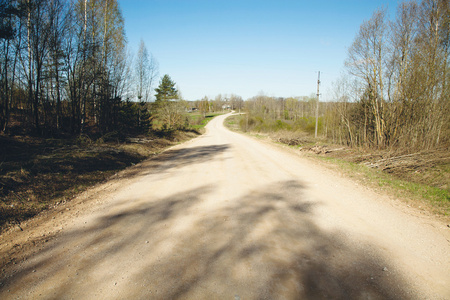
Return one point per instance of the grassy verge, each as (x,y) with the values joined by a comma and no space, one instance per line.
(433,199)
(37,174)
(198,121)
(232,122)
(420,180)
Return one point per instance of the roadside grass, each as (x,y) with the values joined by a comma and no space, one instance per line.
(422,196)
(37,174)
(198,122)
(233,122)
(421,185)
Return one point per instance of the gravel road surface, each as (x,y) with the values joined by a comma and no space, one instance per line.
(225,216)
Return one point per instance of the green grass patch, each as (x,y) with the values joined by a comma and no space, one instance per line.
(415,194)
(232,122)
(198,121)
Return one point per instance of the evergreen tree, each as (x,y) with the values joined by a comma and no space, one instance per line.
(168,115)
(166,90)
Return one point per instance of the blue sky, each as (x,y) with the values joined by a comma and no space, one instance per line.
(247,47)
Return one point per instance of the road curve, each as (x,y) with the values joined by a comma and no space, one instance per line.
(227,217)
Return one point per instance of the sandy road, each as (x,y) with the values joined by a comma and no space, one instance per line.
(227,217)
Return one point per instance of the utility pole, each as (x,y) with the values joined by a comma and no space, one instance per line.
(317,107)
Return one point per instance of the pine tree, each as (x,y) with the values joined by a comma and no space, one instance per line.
(168,115)
(166,90)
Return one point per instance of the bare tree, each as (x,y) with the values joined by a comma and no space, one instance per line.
(10,44)
(146,73)
(366,61)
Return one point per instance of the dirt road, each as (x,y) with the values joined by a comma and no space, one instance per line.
(227,217)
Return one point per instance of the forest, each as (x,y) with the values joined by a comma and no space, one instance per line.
(393,94)
(65,69)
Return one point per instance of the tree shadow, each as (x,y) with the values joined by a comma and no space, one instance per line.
(32,178)
(35,172)
(177,158)
(264,245)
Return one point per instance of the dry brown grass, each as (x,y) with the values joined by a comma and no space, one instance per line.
(37,174)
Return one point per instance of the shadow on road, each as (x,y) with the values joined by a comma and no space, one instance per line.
(264,245)
(177,158)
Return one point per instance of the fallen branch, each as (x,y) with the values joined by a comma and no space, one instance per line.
(389,159)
